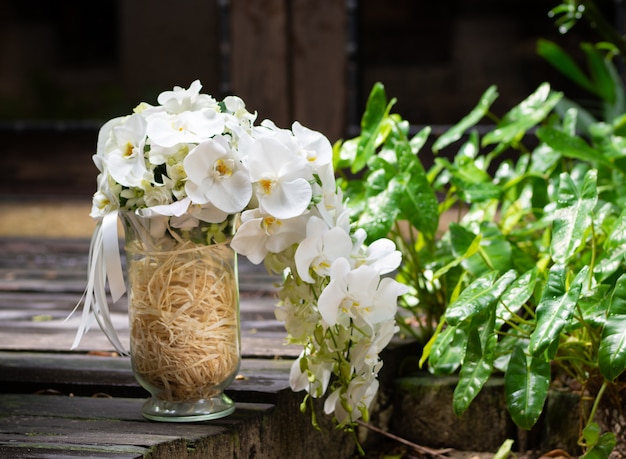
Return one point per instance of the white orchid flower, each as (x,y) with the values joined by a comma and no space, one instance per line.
(106,198)
(382,256)
(180,99)
(236,106)
(123,154)
(328,185)
(167,130)
(260,234)
(215,176)
(281,177)
(321,247)
(364,355)
(358,294)
(183,214)
(107,141)
(161,155)
(312,145)
(197,213)
(357,398)
(174,209)
(314,379)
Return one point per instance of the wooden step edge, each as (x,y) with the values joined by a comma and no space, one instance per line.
(258,380)
(114,426)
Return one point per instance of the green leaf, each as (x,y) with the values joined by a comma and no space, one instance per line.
(572,215)
(446,353)
(603,449)
(555,308)
(344,153)
(455,132)
(477,365)
(571,146)
(592,305)
(493,251)
(600,446)
(584,119)
(431,342)
(612,350)
(569,120)
(375,108)
(473,182)
(514,297)
(419,139)
(458,260)
(377,180)
(508,342)
(380,213)
(375,126)
(526,384)
(544,159)
(505,449)
(462,239)
(393,195)
(614,250)
(591,434)
(559,59)
(524,116)
(416,198)
(618,107)
(481,294)
(463,243)
(600,74)
(478,192)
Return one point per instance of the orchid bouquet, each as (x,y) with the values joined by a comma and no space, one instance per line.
(195,164)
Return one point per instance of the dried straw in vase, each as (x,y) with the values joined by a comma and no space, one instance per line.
(184,320)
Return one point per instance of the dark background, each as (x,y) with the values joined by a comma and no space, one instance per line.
(66,66)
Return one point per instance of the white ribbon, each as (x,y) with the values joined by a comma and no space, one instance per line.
(104,263)
(112,260)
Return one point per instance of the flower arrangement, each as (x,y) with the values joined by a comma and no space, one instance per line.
(193,165)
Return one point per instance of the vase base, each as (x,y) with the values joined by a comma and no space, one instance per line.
(200,410)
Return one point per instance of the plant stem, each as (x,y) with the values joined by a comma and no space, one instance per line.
(596,402)
(418,448)
(592,262)
(602,26)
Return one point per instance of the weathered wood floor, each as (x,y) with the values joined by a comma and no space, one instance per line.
(57,403)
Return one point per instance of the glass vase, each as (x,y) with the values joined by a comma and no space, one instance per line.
(183,305)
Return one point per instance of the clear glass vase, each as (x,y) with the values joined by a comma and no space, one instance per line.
(183,305)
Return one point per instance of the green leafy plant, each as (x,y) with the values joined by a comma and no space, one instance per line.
(528,278)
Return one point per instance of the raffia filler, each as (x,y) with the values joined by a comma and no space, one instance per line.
(184,319)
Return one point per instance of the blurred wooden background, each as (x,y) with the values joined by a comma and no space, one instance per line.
(66,66)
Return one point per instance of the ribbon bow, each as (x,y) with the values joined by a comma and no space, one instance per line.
(104,263)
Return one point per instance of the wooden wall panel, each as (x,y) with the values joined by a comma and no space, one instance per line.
(289,61)
(319,65)
(259,71)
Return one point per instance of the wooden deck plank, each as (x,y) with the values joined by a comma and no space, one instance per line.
(259,380)
(24,450)
(109,426)
(22,327)
(42,323)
